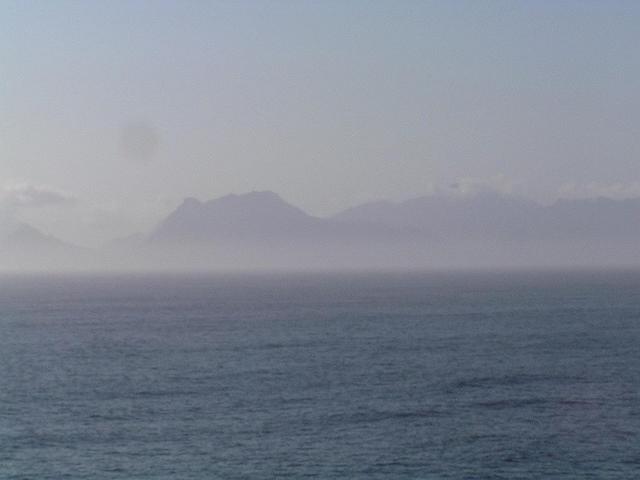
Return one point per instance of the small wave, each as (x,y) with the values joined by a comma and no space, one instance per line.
(510,380)
(375,416)
(511,403)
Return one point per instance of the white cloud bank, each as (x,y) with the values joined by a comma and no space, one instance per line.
(474,185)
(616,191)
(27,195)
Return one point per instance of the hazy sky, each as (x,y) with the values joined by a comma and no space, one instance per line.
(112,111)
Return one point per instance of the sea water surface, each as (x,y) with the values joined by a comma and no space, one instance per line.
(416,376)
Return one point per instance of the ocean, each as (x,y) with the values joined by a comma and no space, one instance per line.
(464,375)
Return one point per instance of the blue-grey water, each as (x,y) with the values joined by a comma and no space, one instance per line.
(420,376)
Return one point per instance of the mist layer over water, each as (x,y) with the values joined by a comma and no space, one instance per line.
(513,375)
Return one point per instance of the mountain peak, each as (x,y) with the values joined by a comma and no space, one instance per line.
(248,213)
(249,197)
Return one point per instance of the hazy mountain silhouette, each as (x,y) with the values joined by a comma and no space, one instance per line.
(485,215)
(493,229)
(23,247)
(255,215)
(494,216)
(260,230)
(597,218)
(487,229)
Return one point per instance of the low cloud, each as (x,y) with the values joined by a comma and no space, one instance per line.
(617,191)
(27,195)
(474,185)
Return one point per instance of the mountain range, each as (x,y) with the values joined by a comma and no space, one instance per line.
(259,230)
(23,247)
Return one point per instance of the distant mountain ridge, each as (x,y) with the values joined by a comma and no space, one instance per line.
(25,247)
(435,230)
(232,217)
(260,230)
(491,215)
(440,216)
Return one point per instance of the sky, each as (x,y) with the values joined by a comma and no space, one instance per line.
(112,112)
